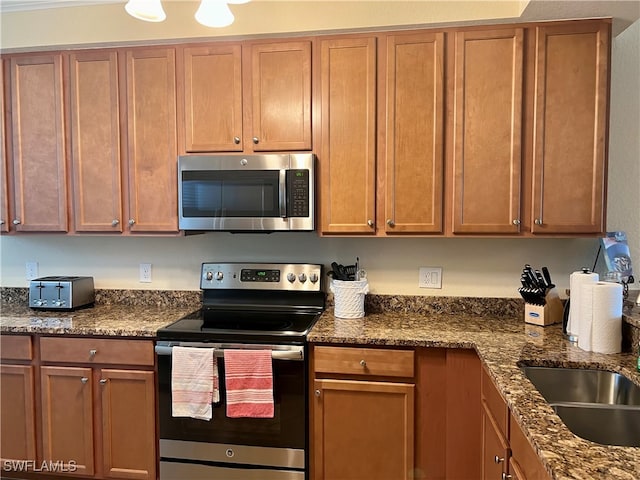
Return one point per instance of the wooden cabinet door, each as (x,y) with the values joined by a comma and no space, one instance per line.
(495,448)
(211,98)
(414,133)
(67,417)
(128,424)
(363,430)
(38,143)
(95,141)
(17,414)
(4,182)
(281,96)
(487,131)
(151,142)
(570,125)
(348,154)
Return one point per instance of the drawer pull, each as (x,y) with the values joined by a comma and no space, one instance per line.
(497,459)
(103,381)
(363,363)
(317,392)
(506,476)
(92,353)
(84,379)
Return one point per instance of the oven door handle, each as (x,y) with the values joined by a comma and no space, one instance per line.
(282,188)
(291,353)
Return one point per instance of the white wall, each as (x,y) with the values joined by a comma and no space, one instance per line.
(473,267)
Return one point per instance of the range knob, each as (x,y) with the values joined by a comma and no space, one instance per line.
(291,277)
(302,277)
(313,277)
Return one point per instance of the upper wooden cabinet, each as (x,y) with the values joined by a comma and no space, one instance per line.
(487,87)
(95,141)
(151,153)
(37,145)
(246,97)
(414,155)
(570,126)
(348,132)
(4,181)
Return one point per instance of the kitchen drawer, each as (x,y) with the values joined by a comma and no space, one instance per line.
(97,350)
(16,347)
(495,404)
(364,361)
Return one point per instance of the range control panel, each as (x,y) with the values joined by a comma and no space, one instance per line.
(261,276)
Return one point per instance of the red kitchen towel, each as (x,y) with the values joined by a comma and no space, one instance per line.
(194,382)
(249,382)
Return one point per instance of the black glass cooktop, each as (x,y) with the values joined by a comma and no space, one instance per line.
(214,325)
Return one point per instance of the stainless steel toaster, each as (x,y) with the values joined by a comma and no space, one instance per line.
(61,293)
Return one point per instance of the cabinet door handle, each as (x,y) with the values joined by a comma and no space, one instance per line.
(16,222)
(103,381)
(506,476)
(236,140)
(363,363)
(391,223)
(317,393)
(1,222)
(538,221)
(132,221)
(498,459)
(92,353)
(84,379)
(370,223)
(256,140)
(114,222)
(516,222)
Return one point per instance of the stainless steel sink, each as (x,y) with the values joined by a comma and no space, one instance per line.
(597,405)
(586,386)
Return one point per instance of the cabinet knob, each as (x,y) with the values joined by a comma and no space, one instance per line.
(92,353)
(103,381)
(16,222)
(1,222)
(516,222)
(391,223)
(236,140)
(370,223)
(498,459)
(132,221)
(114,222)
(506,476)
(317,393)
(256,140)
(363,363)
(84,379)
(538,221)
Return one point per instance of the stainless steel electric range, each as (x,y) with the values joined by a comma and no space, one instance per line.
(244,306)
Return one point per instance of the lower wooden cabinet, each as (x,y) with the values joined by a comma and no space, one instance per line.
(96,410)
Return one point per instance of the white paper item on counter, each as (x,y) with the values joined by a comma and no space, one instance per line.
(585,322)
(576,280)
(606,331)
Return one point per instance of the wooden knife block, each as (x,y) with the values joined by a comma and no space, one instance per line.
(547,314)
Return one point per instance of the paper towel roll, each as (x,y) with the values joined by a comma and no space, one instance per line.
(606,330)
(576,280)
(585,322)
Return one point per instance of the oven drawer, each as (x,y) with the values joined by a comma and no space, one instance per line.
(15,347)
(97,350)
(364,361)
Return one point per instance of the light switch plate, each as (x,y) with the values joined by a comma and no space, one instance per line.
(430,277)
(31,270)
(145,273)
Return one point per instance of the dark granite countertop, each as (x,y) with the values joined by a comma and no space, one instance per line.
(100,320)
(501,343)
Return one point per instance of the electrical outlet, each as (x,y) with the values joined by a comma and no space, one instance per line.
(145,273)
(31,270)
(430,277)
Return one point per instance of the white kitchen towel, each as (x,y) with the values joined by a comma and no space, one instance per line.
(606,332)
(575,281)
(192,382)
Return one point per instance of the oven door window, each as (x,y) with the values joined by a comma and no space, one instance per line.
(225,193)
(287,428)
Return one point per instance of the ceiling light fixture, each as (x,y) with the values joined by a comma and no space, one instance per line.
(210,13)
(147,10)
(214,13)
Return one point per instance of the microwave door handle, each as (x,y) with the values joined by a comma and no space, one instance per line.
(282,196)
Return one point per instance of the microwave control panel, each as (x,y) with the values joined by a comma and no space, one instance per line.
(298,193)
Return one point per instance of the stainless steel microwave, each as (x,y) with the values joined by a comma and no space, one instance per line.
(271,192)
